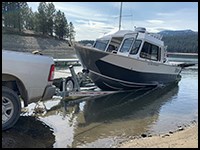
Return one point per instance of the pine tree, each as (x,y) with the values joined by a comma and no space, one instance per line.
(44,18)
(41,18)
(13,14)
(61,25)
(71,32)
(29,18)
(50,11)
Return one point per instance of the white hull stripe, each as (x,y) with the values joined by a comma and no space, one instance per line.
(122,81)
(112,87)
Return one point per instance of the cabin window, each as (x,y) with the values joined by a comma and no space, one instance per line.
(150,51)
(136,46)
(111,48)
(101,44)
(126,45)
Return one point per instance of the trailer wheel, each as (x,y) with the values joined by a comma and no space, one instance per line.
(69,84)
(11,108)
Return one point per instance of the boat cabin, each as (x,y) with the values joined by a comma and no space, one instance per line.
(137,44)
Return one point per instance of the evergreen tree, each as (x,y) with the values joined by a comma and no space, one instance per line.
(50,11)
(45,18)
(13,14)
(61,25)
(4,14)
(41,18)
(29,18)
(71,32)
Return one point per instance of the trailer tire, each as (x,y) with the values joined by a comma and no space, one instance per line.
(11,108)
(69,84)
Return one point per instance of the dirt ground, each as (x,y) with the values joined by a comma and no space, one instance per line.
(182,138)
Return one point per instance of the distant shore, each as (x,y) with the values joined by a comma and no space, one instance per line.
(182,138)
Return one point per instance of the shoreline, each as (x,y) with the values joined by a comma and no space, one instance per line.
(182,138)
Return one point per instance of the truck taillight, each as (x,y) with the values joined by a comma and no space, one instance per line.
(51,73)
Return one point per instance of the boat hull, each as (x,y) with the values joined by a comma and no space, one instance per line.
(114,72)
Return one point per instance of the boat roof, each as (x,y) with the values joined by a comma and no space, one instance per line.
(143,34)
(119,33)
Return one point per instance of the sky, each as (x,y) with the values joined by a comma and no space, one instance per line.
(94,19)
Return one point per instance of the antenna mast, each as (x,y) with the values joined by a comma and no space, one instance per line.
(120,16)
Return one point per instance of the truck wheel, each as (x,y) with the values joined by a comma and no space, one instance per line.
(69,84)
(11,108)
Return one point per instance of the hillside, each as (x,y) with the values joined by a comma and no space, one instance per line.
(184,41)
(29,41)
(177,32)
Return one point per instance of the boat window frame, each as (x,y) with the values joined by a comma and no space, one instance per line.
(115,42)
(138,48)
(127,36)
(101,41)
(148,54)
(133,39)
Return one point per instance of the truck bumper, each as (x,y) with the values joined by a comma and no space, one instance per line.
(49,92)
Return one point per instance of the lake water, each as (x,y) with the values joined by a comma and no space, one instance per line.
(108,120)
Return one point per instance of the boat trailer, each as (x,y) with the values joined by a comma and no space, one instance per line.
(72,90)
(77,86)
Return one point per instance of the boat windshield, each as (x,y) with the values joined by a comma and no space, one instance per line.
(101,44)
(135,47)
(126,45)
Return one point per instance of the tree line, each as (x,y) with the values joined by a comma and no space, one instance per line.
(182,43)
(46,20)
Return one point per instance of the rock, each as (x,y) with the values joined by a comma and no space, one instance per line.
(143,135)
(180,128)
(165,135)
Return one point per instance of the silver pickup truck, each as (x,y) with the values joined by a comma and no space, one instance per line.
(26,78)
